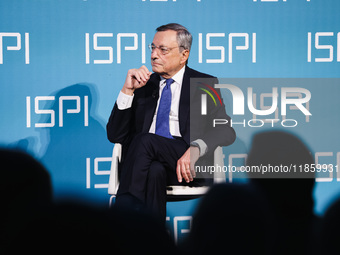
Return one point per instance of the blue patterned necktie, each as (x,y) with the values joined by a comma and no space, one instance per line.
(162,120)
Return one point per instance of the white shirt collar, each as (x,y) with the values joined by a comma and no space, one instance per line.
(178,77)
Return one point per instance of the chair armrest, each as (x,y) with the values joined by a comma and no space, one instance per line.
(219,176)
(116,158)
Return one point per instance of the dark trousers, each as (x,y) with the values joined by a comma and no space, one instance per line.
(150,164)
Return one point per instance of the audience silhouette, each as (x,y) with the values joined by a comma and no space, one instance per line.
(329,234)
(232,219)
(288,192)
(33,222)
(25,189)
(271,214)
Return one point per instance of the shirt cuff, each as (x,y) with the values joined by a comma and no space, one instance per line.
(124,101)
(202,146)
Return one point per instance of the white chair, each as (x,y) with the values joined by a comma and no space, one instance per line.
(174,192)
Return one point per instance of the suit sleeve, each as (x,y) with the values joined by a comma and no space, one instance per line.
(119,126)
(220,135)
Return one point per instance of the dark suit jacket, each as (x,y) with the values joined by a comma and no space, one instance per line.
(123,125)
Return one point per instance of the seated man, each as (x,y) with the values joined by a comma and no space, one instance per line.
(151,119)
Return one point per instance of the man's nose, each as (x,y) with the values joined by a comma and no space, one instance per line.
(154,54)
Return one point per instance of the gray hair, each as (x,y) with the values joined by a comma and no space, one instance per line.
(184,38)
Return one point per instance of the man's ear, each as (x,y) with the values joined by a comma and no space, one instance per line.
(185,56)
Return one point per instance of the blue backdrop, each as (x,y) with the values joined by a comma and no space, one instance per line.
(62,64)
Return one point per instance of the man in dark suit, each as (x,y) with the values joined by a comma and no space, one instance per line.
(151,119)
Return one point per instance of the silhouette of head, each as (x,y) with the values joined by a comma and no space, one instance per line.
(289,191)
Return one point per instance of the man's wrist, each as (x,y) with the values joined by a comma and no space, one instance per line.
(201,145)
(196,145)
(127,91)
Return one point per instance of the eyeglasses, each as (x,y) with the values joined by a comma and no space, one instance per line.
(164,50)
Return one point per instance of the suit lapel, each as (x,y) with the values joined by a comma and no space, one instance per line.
(184,103)
(151,97)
